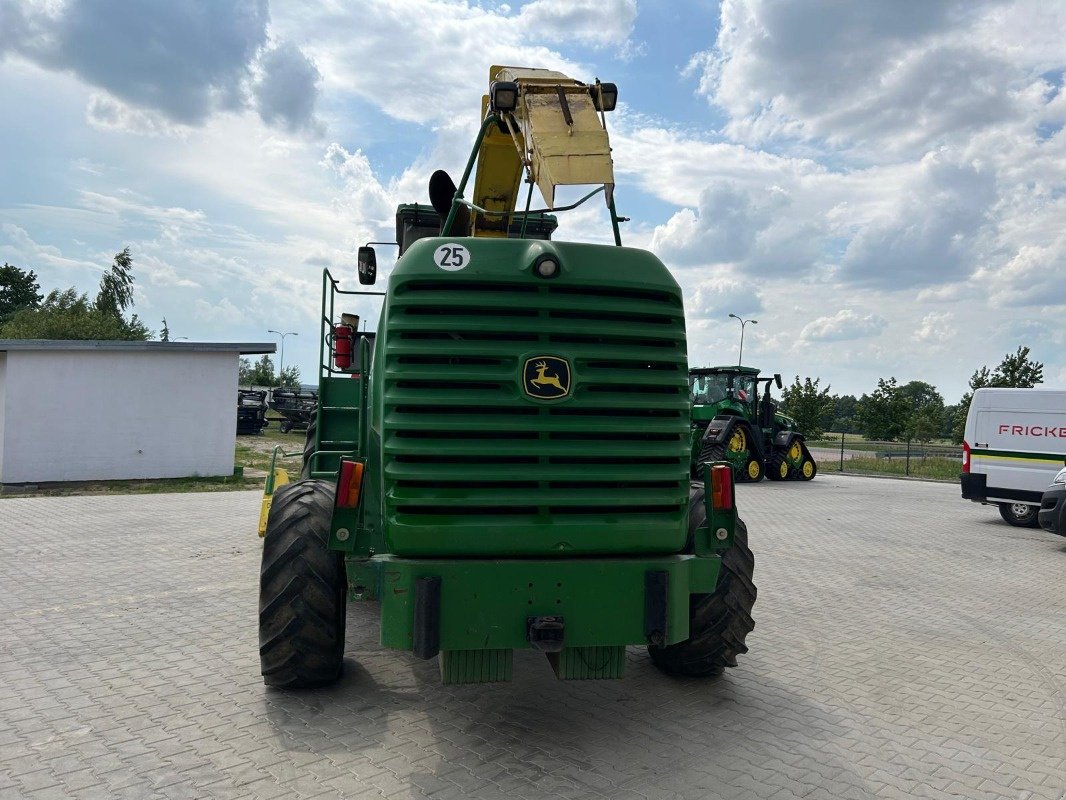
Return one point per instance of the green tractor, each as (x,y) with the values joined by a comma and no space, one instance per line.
(731,423)
(504,464)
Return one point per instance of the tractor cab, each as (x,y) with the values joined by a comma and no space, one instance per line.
(724,390)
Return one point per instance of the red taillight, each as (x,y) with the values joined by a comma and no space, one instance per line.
(350,484)
(342,346)
(965,457)
(721,487)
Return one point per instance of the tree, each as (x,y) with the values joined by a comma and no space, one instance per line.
(926,407)
(68,315)
(164,335)
(924,425)
(844,414)
(289,378)
(947,424)
(19,290)
(116,286)
(884,414)
(261,373)
(810,406)
(1016,370)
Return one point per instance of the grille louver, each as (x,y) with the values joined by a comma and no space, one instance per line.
(468,455)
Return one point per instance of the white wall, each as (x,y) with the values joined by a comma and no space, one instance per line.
(3,373)
(71,415)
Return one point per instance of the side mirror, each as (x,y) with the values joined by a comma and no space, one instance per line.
(777,380)
(368,266)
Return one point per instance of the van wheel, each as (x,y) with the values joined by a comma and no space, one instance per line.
(1021,515)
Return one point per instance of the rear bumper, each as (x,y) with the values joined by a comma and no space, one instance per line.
(1052,515)
(486,604)
(973,486)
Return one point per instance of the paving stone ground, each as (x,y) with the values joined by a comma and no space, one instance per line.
(908,644)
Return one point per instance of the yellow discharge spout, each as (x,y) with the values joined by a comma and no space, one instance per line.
(555,129)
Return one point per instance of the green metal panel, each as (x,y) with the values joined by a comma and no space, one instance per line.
(338,426)
(589,663)
(471,465)
(485,603)
(476,666)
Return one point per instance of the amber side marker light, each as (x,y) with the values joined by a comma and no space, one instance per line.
(350,484)
(721,487)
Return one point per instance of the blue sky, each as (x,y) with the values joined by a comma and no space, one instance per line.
(881,185)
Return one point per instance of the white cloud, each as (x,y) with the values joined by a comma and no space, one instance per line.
(931,234)
(1034,277)
(721,230)
(898,77)
(596,23)
(718,297)
(164,66)
(936,328)
(18,247)
(108,113)
(157,271)
(224,311)
(445,64)
(845,325)
(182,60)
(286,88)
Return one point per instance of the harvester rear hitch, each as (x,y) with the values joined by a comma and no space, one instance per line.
(545,633)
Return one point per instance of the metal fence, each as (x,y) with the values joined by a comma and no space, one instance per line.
(890,458)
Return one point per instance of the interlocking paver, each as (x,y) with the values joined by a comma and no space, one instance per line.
(908,644)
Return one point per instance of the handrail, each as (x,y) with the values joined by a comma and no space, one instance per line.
(268,488)
(525,214)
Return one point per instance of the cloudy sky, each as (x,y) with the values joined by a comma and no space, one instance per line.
(881,184)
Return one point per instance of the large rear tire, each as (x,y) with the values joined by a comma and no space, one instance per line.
(310,445)
(302,590)
(710,453)
(1020,515)
(718,622)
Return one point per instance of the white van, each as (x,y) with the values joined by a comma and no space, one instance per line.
(1015,442)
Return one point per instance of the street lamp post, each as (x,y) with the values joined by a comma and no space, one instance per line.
(743,322)
(281,362)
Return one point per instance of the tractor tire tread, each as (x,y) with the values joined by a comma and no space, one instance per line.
(719,622)
(774,471)
(302,590)
(310,446)
(797,474)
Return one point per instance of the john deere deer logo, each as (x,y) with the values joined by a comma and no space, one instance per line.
(546,377)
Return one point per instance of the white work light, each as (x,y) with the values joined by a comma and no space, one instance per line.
(546,267)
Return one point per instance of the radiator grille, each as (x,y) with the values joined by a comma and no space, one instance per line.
(463,444)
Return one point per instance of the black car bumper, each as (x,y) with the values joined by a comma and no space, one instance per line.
(973,486)
(1052,514)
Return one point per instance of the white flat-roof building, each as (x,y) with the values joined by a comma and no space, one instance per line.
(88,410)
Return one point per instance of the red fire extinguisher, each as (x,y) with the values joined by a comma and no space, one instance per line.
(342,346)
